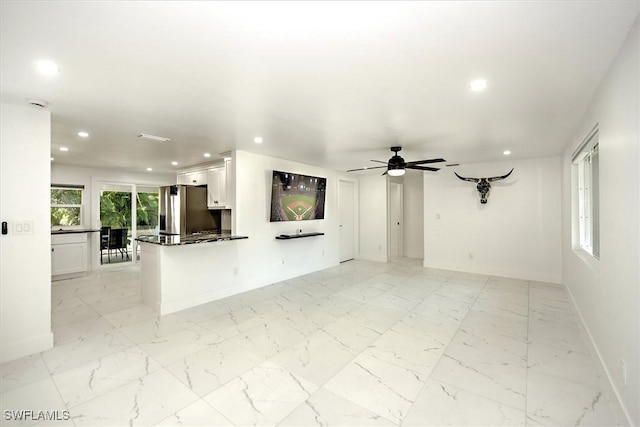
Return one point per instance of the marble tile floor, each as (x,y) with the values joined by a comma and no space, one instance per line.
(360,344)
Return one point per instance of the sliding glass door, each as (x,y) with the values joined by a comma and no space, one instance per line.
(116,226)
(146,212)
(119,204)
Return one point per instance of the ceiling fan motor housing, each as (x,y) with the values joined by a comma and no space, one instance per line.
(397,162)
(396,165)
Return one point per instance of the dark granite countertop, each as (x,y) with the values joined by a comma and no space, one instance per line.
(173,240)
(73,231)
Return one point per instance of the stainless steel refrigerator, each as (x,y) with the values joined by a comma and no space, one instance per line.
(183,211)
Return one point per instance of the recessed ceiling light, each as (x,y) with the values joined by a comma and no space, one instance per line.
(207,155)
(257,140)
(83,134)
(149,169)
(506,152)
(64,149)
(478,85)
(153,137)
(174,163)
(47,68)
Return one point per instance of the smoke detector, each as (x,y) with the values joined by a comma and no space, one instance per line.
(40,103)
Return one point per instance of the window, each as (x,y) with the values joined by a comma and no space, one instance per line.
(586,184)
(66,205)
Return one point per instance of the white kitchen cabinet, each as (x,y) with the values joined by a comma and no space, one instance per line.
(68,253)
(193,178)
(218,179)
(217,188)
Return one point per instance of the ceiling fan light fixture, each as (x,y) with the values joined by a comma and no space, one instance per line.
(396,172)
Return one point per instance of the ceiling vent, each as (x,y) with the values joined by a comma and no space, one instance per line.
(39,103)
(153,137)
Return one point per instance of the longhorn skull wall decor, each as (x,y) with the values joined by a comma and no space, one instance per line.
(484,184)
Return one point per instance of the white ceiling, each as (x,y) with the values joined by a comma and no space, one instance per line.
(332,84)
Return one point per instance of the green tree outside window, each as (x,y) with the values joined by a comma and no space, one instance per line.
(66,207)
(115,210)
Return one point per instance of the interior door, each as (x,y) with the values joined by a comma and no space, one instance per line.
(347,212)
(396,233)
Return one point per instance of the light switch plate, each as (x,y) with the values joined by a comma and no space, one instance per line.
(23,227)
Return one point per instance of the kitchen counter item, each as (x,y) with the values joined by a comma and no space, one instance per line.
(173,240)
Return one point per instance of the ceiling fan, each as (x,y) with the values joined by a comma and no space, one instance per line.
(396,166)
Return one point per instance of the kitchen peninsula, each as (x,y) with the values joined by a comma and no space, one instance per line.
(179,272)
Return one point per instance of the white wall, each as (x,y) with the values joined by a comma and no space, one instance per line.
(25,260)
(516,234)
(267,260)
(373,217)
(91,178)
(414,214)
(607,292)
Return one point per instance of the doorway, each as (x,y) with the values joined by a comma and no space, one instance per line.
(346,194)
(396,226)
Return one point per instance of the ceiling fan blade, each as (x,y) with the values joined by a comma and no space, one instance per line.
(422,168)
(385,172)
(378,161)
(365,169)
(420,162)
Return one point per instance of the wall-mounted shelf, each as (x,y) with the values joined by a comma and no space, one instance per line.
(297,236)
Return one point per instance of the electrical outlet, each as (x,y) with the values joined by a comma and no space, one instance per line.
(470,255)
(623,371)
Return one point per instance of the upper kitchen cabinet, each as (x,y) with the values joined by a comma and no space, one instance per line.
(217,187)
(193,178)
(218,177)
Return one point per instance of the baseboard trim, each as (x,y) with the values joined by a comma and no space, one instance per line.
(26,347)
(536,276)
(621,411)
